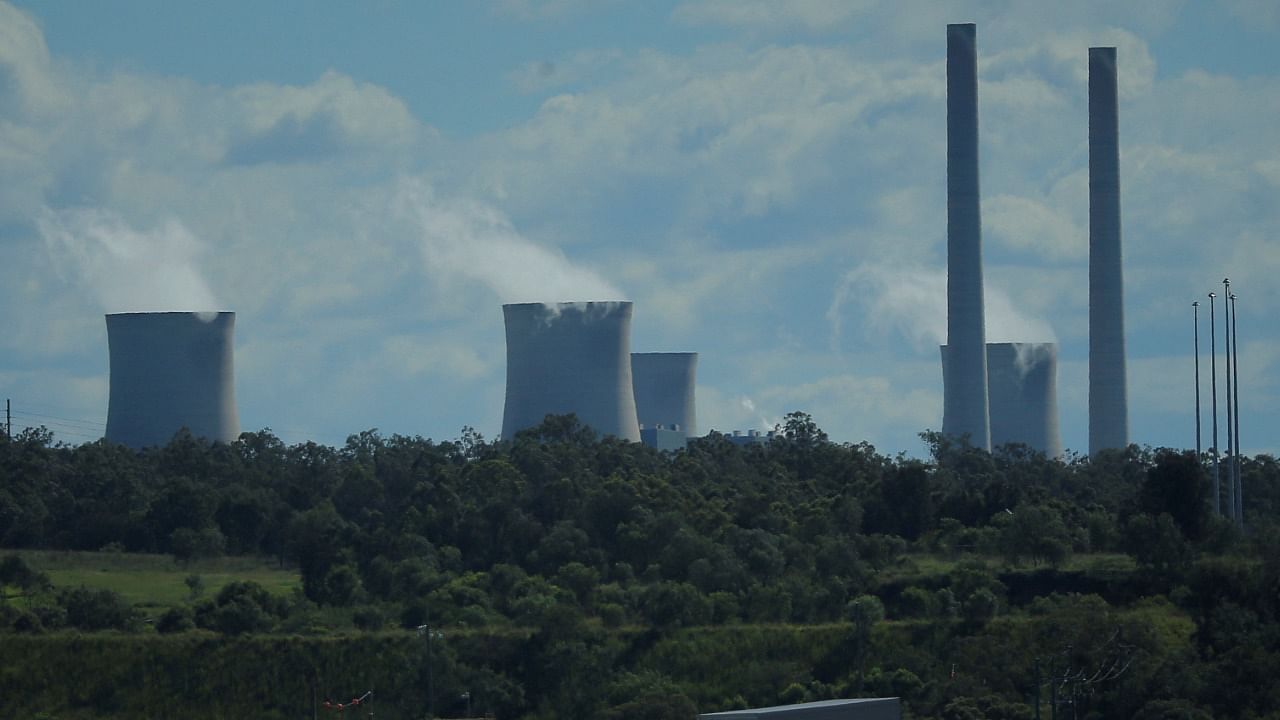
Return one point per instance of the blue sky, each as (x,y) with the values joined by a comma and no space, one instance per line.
(366,183)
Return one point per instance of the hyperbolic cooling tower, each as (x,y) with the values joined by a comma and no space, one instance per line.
(171,370)
(1108,400)
(1022,394)
(664,388)
(570,358)
(964,407)
(1023,389)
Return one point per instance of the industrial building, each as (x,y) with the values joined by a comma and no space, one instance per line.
(171,370)
(570,358)
(660,437)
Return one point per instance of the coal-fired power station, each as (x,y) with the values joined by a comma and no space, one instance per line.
(664,389)
(570,358)
(1108,397)
(964,406)
(171,370)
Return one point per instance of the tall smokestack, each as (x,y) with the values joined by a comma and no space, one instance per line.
(664,387)
(171,370)
(1108,398)
(965,410)
(570,358)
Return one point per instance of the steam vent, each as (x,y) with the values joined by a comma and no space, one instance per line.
(171,370)
(570,358)
(664,388)
(964,403)
(1108,397)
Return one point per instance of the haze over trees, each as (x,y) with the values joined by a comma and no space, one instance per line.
(573,576)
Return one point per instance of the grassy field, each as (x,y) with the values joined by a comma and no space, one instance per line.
(154,581)
(922,565)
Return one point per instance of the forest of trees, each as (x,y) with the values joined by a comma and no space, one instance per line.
(583,577)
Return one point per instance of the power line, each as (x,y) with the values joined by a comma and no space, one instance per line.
(56,417)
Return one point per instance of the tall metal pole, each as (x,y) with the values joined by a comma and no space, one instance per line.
(1195,309)
(1226,337)
(1235,370)
(1213,389)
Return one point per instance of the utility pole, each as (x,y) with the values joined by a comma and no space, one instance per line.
(8,418)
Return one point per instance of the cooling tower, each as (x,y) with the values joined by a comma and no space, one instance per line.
(171,370)
(1108,400)
(664,389)
(570,358)
(1022,394)
(964,406)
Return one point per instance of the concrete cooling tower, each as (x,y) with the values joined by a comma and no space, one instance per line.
(664,388)
(964,405)
(1108,397)
(171,370)
(570,358)
(1022,394)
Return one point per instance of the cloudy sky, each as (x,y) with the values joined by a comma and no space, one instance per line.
(366,183)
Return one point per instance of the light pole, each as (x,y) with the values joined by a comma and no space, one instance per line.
(429,634)
(1213,391)
(1235,370)
(1195,310)
(1226,333)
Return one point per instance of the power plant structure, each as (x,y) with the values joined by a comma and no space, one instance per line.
(664,385)
(965,410)
(1022,387)
(570,358)
(171,370)
(1108,397)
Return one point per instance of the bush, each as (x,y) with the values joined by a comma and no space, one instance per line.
(175,620)
(369,617)
(97,610)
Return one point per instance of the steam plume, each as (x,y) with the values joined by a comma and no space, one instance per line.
(128,270)
(468,239)
(912,301)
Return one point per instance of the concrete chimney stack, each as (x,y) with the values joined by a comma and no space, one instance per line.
(965,409)
(664,387)
(171,370)
(1108,397)
(570,358)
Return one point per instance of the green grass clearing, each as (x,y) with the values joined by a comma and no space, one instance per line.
(155,581)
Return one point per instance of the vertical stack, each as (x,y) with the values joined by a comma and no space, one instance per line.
(1108,398)
(965,404)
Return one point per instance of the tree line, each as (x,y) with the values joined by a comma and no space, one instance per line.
(569,542)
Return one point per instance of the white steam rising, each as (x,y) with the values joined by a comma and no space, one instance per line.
(913,301)
(128,270)
(468,239)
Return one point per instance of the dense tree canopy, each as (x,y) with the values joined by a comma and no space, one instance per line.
(569,537)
